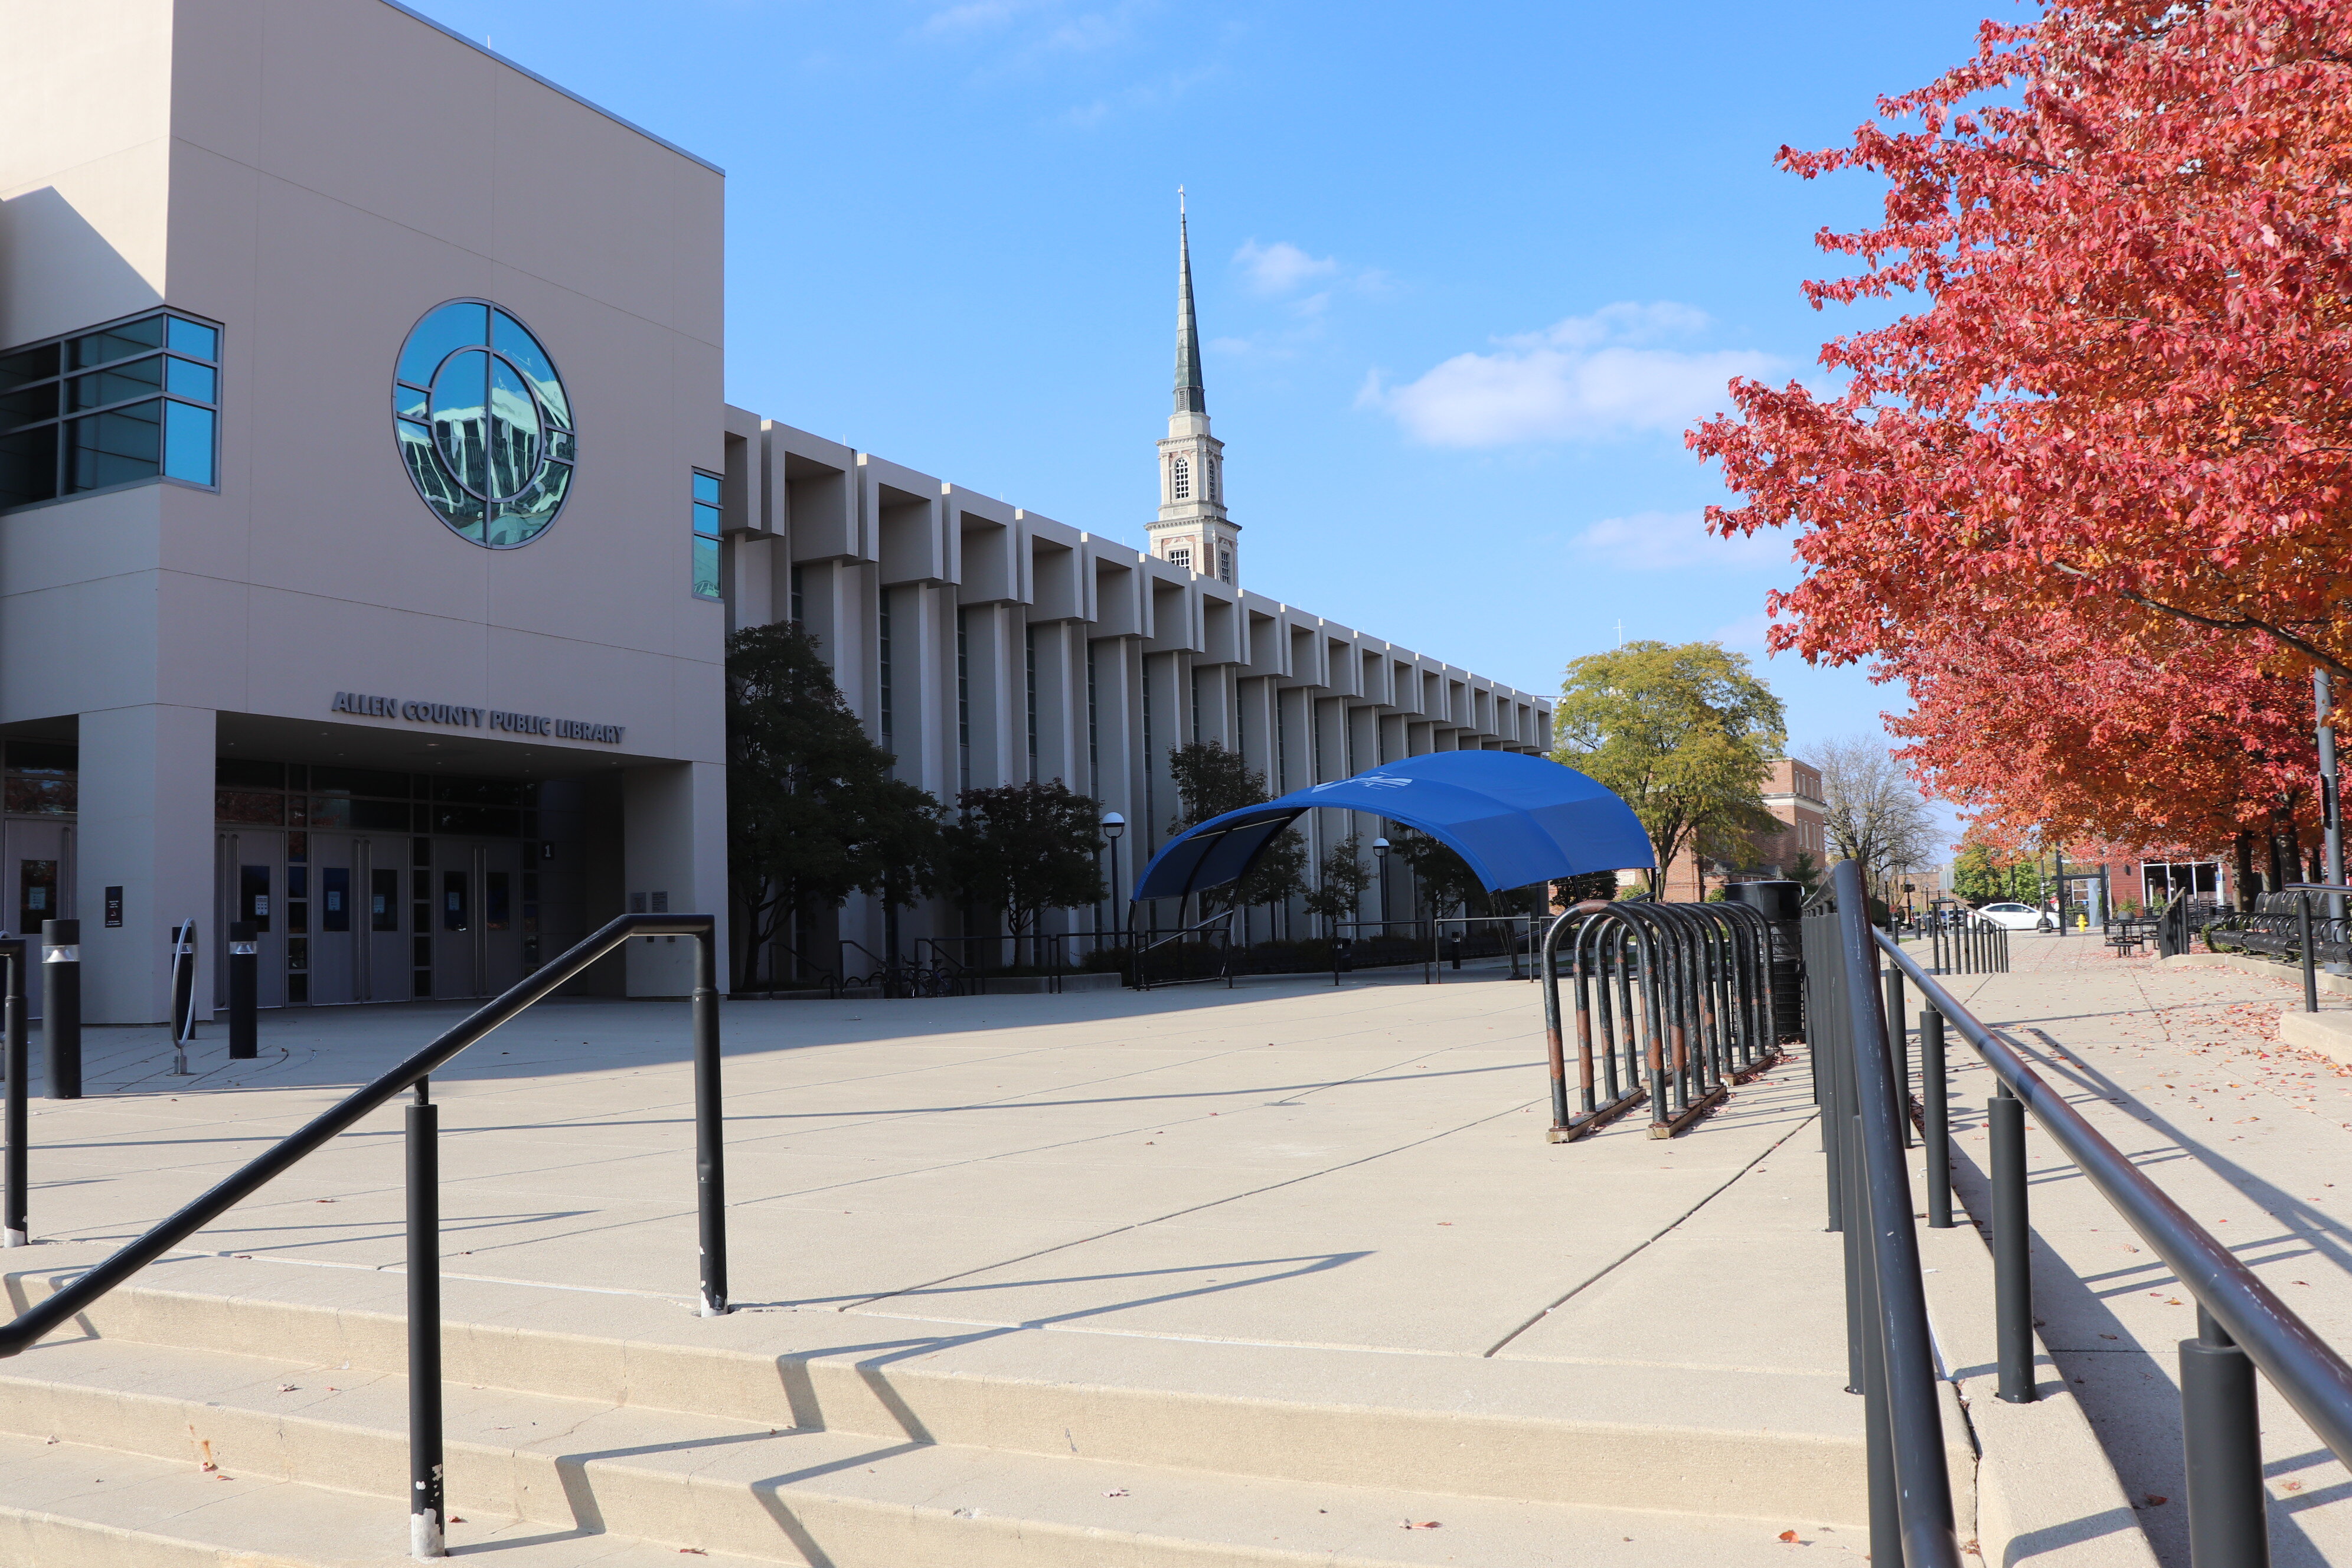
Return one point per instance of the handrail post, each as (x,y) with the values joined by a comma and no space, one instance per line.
(2012,1277)
(428,1511)
(2310,959)
(1936,1106)
(19,1069)
(709,1126)
(1899,1036)
(2221,1444)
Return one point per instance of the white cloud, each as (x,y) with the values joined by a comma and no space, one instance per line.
(1584,378)
(1678,541)
(1279,268)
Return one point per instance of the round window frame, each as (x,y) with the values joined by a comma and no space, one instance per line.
(571,429)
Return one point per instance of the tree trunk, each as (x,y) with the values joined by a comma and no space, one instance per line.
(2242,882)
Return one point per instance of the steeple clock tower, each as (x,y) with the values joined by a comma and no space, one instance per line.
(1193,529)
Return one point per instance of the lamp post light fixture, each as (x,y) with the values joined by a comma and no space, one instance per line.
(1113,825)
(1380,854)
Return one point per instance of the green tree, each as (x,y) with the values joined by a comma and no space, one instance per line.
(1443,879)
(1577,890)
(1212,781)
(1983,876)
(1021,849)
(813,814)
(1340,883)
(1805,871)
(1684,733)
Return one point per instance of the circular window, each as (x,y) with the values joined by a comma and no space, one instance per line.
(485,429)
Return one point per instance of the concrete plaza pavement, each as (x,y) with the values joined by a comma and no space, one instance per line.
(2181,1067)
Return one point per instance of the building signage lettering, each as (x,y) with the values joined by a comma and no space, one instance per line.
(474,718)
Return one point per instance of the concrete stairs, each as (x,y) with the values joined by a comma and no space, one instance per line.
(612,1428)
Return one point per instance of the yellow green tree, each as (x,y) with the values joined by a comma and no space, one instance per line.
(1684,733)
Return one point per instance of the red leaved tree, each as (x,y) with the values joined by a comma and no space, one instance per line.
(2130,388)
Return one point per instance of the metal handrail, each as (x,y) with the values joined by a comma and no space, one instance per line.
(1224,970)
(426,1516)
(1890,1351)
(2303,891)
(241,1184)
(2310,1374)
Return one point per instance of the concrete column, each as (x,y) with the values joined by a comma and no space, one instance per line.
(751,579)
(674,844)
(145,824)
(1061,704)
(998,717)
(1170,680)
(1213,691)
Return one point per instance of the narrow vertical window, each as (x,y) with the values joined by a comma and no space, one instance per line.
(1225,564)
(1180,478)
(963,700)
(706,535)
(1032,653)
(1093,726)
(800,606)
(882,670)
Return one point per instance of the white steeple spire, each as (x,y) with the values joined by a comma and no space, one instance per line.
(1193,529)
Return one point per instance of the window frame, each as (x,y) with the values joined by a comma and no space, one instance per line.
(60,424)
(714,536)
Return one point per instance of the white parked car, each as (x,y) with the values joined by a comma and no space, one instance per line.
(2012,917)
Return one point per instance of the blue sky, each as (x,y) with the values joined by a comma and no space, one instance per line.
(1465,272)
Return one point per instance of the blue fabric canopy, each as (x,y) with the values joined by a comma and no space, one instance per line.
(1514,819)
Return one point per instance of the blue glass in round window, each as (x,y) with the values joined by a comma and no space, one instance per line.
(485,429)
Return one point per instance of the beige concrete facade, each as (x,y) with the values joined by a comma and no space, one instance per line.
(312,178)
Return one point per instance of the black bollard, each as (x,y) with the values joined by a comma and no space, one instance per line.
(2013,1267)
(244,991)
(184,994)
(61,1006)
(12,1049)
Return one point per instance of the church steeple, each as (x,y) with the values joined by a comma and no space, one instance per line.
(1191,397)
(1192,530)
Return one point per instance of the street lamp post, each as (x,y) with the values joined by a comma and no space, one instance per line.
(2331,806)
(1380,854)
(1113,825)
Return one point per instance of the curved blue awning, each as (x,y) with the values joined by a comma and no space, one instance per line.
(1514,819)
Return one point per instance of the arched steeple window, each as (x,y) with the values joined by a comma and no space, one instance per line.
(1180,478)
(1209,478)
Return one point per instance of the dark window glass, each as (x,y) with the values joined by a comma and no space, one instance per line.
(115,343)
(239,774)
(494,900)
(298,881)
(335,898)
(384,901)
(478,821)
(257,807)
(481,791)
(360,780)
(252,895)
(331,811)
(116,447)
(453,902)
(43,757)
(297,916)
(380,815)
(193,338)
(123,382)
(298,847)
(420,853)
(28,405)
(39,796)
(32,365)
(28,465)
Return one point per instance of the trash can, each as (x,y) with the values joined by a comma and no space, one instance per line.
(1782,905)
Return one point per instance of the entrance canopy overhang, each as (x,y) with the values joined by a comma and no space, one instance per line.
(1514,819)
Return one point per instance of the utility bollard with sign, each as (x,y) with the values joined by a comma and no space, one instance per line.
(244,991)
(61,1006)
(13,953)
(184,994)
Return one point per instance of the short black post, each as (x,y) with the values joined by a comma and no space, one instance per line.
(2222,1441)
(244,991)
(184,994)
(1939,1119)
(61,1006)
(710,1128)
(2310,959)
(2012,1278)
(428,1512)
(13,1052)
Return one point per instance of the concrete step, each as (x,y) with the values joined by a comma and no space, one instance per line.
(1699,1440)
(101,1508)
(147,1419)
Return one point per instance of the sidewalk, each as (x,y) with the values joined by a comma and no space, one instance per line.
(2181,1067)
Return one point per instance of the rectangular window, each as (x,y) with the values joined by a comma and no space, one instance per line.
(706,535)
(800,606)
(1180,555)
(963,700)
(1031,643)
(116,405)
(1093,726)
(882,668)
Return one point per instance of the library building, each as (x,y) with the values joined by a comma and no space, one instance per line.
(373,520)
